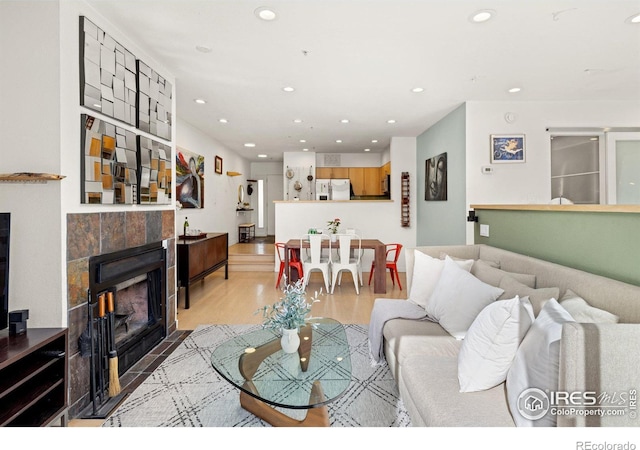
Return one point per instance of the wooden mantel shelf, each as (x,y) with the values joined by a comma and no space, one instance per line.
(573,208)
(29,177)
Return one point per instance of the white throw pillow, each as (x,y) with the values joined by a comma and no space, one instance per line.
(582,312)
(458,298)
(426,272)
(491,343)
(534,371)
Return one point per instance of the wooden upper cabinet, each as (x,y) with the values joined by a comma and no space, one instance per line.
(332,172)
(365,180)
(372,184)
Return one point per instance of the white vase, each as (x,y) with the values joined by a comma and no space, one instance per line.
(334,237)
(290,340)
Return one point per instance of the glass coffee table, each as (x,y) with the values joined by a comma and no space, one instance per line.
(319,373)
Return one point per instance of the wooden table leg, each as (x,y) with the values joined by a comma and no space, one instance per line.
(380,273)
(316,417)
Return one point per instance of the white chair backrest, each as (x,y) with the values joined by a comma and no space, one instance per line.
(344,251)
(315,246)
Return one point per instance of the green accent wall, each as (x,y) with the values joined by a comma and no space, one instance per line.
(603,243)
(443,222)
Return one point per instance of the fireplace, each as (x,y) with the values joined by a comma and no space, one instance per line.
(126,313)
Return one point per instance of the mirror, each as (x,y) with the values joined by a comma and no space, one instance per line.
(241,194)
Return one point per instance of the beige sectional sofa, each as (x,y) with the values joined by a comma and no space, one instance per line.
(594,358)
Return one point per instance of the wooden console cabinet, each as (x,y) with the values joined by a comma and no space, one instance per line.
(197,258)
(33,377)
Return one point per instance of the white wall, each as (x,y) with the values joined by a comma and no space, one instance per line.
(30,130)
(362,159)
(220,191)
(529,182)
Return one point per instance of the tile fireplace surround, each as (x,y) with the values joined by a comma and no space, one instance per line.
(94,234)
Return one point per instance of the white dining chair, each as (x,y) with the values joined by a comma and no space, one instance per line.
(315,260)
(347,262)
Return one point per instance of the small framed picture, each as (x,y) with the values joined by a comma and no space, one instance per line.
(218,164)
(507,148)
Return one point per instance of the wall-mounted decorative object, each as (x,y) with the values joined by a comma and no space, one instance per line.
(405,191)
(155,171)
(189,179)
(154,102)
(507,148)
(218,165)
(436,178)
(107,74)
(109,169)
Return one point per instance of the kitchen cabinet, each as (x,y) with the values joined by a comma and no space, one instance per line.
(33,377)
(198,258)
(365,180)
(332,172)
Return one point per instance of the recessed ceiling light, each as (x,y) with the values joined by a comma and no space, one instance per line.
(249,144)
(203,49)
(265,13)
(391,121)
(374,141)
(305,149)
(339,141)
(367,149)
(302,141)
(344,121)
(513,90)
(635,19)
(223,121)
(417,90)
(297,120)
(482,16)
(288,89)
(200,101)
(262,155)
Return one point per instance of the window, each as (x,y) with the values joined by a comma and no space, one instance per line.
(575,168)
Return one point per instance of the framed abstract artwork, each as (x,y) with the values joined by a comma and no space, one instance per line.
(189,179)
(507,148)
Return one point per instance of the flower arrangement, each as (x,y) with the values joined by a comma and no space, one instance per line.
(291,311)
(333,225)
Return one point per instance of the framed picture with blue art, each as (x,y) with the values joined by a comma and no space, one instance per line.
(507,148)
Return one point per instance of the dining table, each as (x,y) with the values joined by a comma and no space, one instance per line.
(379,248)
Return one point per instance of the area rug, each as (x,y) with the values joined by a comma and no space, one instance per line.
(185,391)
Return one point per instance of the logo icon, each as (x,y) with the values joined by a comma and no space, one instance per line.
(533,404)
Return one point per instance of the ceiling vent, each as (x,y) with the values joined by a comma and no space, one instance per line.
(332,160)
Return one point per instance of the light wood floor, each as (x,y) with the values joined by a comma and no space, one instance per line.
(215,300)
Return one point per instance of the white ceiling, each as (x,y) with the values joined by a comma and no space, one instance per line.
(359,60)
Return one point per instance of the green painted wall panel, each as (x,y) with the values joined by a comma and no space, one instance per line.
(443,222)
(606,244)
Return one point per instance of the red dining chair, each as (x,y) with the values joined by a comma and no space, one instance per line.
(392,255)
(294,261)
